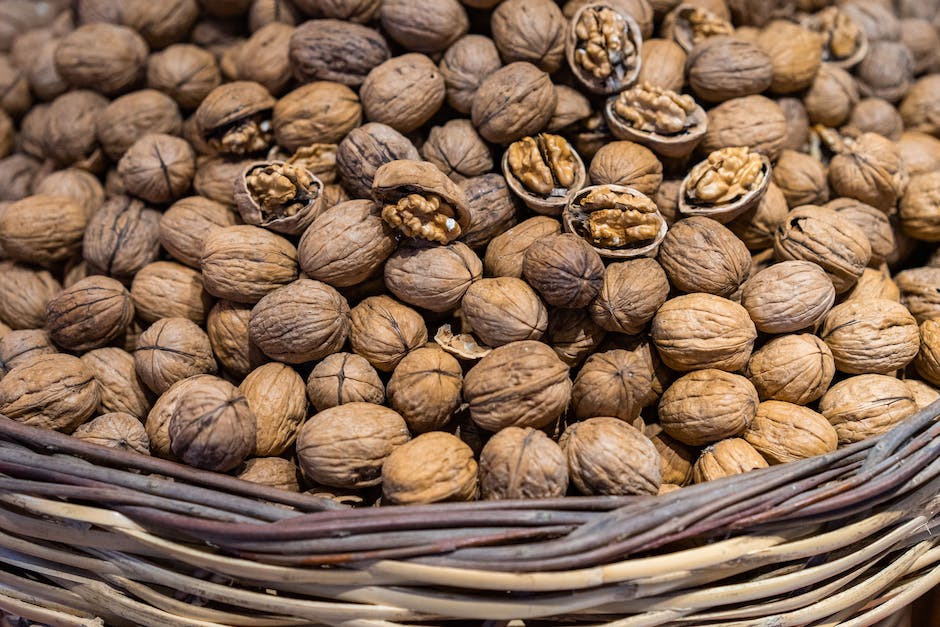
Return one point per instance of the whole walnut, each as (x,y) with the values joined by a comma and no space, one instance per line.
(212,426)
(701,255)
(128,118)
(344,378)
(353,10)
(316,113)
(564,269)
(792,368)
(788,296)
(115,430)
(519,463)
(629,164)
(157,422)
(235,118)
(756,226)
(274,472)
(927,361)
(572,334)
(171,350)
(303,321)
(919,211)
(278,398)
(263,57)
(464,65)
(918,109)
(826,238)
(214,178)
(876,19)
(23,345)
(795,53)
(50,392)
(609,456)
(16,98)
(19,171)
(875,336)
(383,331)
(516,100)
(42,229)
(158,168)
(425,388)
(433,278)
(24,292)
(431,468)
(80,185)
(756,122)
(227,327)
(188,222)
(105,57)
(875,115)
(457,150)
(783,432)
(675,458)
(164,289)
(708,405)
(121,389)
(922,42)
(920,291)
(522,384)
(532,31)
(801,178)
(184,72)
(403,92)
(875,283)
(364,150)
(663,66)
(503,310)
(870,170)
(613,383)
(729,457)
(724,67)
(121,238)
(698,331)
(887,71)
(505,254)
(832,96)
(866,406)
(335,50)
(492,208)
(424,28)
(571,107)
(923,394)
(90,314)
(631,293)
(244,263)
(69,136)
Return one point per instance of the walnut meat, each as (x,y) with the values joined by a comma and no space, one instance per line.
(121,389)
(503,310)
(24,292)
(89,314)
(609,456)
(603,48)
(524,30)
(783,432)
(171,350)
(866,406)
(431,468)
(278,196)
(564,269)
(50,392)
(727,183)
(613,383)
(433,278)
(344,378)
(708,405)
(235,118)
(631,293)
(403,92)
(543,171)
(336,50)
(876,336)
(383,331)
(425,388)
(244,263)
(164,289)
(514,101)
(665,121)
(788,296)
(115,430)
(700,255)
(522,464)
(522,384)
(729,457)
(793,368)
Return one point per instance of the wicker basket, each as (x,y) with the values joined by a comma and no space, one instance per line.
(92,536)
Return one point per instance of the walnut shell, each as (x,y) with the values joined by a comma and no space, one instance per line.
(492,208)
(602,47)
(115,430)
(783,432)
(928,357)
(795,53)
(530,31)
(919,210)
(753,121)
(274,472)
(424,28)
(571,107)
(50,392)
(106,57)
(874,283)
(629,164)
(263,57)
(277,396)
(90,314)
(919,291)
(433,278)
(832,96)
(700,255)
(69,136)
(876,336)
(42,229)
(185,72)
(887,71)
(233,118)
(464,65)
(514,101)
(793,368)
(866,406)
(631,293)
(522,384)
(726,458)
(164,289)
(80,185)
(279,196)
(188,222)
(505,254)
(23,345)
(918,107)
(383,331)
(923,394)
(614,383)
(609,456)
(788,296)
(134,115)
(522,464)
(457,150)
(724,67)
(874,115)
(572,334)
(121,238)
(214,178)
(871,171)
(663,64)
(503,310)
(157,423)
(316,113)
(24,292)
(121,389)
(171,350)
(425,388)
(227,327)
(705,406)
(403,92)
(364,150)
(344,378)
(244,263)
(431,468)
(801,178)
(565,270)
(873,222)
(336,50)
(675,458)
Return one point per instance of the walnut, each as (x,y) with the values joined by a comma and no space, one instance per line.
(19,171)
(609,456)
(572,334)
(875,336)
(700,255)
(708,405)
(278,196)
(171,350)
(320,112)
(875,223)
(795,53)
(887,71)
(186,224)
(723,67)
(69,136)
(826,238)
(165,289)
(801,178)
(24,292)
(434,278)
(697,331)
(522,384)
(783,432)
(23,345)
(457,150)
(157,422)
(832,96)
(792,368)
(788,296)
(431,468)
(603,48)
(106,57)
(752,121)
(464,65)
(615,221)
(15,85)
(425,388)
(726,458)
(874,115)
(919,210)
(277,396)
(676,459)
(492,209)
(629,164)
(185,72)
(336,50)
(866,406)
(665,121)
(115,430)
(89,314)
(81,186)
(353,10)
(121,238)
(506,252)
(530,31)
(631,293)
(227,327)
(516,100)
(235,118)
(212,426)
(158,168)
(520,463)
(364,150)
(42,229)
(383,331)
(663,64)
(344,378)
(543,171)
(729,182)
(874,283)
(214,178)
(403,92)
(923,394)
(244,263)
(869,169)
(503,310)
(843,42)
(919,291)
(613,383)
(263,57)
(121,389)
(134,115)
(274,472)
(571,107)
(690,25)
(424,28)
(565,270)
(51,392)
(918,109)
(927,361)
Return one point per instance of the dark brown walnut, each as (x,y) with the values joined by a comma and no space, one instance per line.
(788,296)
(919,209)
(235,118)
(303,321)
(90,314)
(164,289)
(7,135)
(503,310)
(121,238)
(756,122)
(214,178)
(263,57)
(706,406)
(278,196)
(726,184)
(829,240)
(832,96)
(532,31)
(130,117)
(614,221)
(243,263)
(887,71)
(424,28)
(724,67)
(795,53)
(506,252)
(874,283)
(345,446)
(522,464)
(212,426)
(516,100)
(383,331)
(278,398)
(844,43)
(729,457)
(866,406)
(171,350)
(663,64)
(42,229)
(675,458)
(573,335)
(56,392)
(571,107)
(669,123)
(457,150)
(335,50)
(629,164)
(433,278)
(81,186)
(792,368)
(696,331)
(522,384)
(121,388)
(425,389)
(184,72)
(23,345)
(876,336)
(364,150)
(874,115)
(700,255)
(492,208)
(690,24)
(612,383)
(875,223)
(420,201)
(344,378)
(564,269)
(158,168)
(24,292)
(869,169)
(920,291)
(927,361)
(273,472)
(157,423)
(108,58)
(403,92)
(116,430)
(19,171)
(433,467)
(320,112)
(632,292)
(188,222)
(609,456)
(543,171)
(464,66)
(801,178)
(16,98)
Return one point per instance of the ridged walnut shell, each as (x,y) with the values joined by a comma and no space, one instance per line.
(793,368)
(876,336)
(726,458)
(278,398)
(115,430)
(783,432)
(344,378)
(244,263)
(503,310)
(866,406)
(700,255)
(383,331)
(121,389)
(522,464)
(433,278)
(425,388)
(788,296)
(514,101)
(50,392)
(708,405)
(633,291)
(613,383)
(609,456)
(433,467)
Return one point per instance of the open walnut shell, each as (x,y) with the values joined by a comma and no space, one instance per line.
(278,196)
(235,118)
(668,123)
(603,48)
(689,25)
(544,171)
(728,183)
(844,42)
(617,221)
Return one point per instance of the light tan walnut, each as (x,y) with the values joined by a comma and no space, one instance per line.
(433,467)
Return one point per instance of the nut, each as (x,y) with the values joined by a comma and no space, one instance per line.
(164,289)
(801,178)
(50,392)
(524,30)
(783,432)
(866,406)
(505,254)
(457,150)
(665,121)
(522,464)
(24,292)
(244,263)
(565,269)
(919,291)
(187,223)
(134,115)
(875,336)
(869,169)
(722,67)
(115,430)
(919,213)
(433,278)
(609,456)
(277,397)
(788,296)
(514,101)
(425,388)
(185,72)
(171,350)
(842,39)
(106,57)
(274,472)
(726,458)
(603,48)
(278,196)
(756,122)
(690,25)
(700,255)
(543,171)
(793,368)
(632,292)
(464,65)
(706,406)
(21,346)
(344,378)
(90,314)
(431,468)
(572,334)
(235,118)
(503,310)
(615,221)
(725,177)
(335,50)
(923,394)
(492,209)
(42,229)
(613,383)
(403,92)
(663,64)
(383,331)
(122,391)
(320,112)
(795,53)
(122,237)
(364,150)
(158,168)
(676,459)
(629,164)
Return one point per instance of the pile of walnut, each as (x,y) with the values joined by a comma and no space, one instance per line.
(406,251)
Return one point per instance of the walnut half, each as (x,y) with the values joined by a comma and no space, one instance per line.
(603,48)
(691,25)
(617,221)
(842,39)
(543,171)
(667,122)
(724,185)
(283,197)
